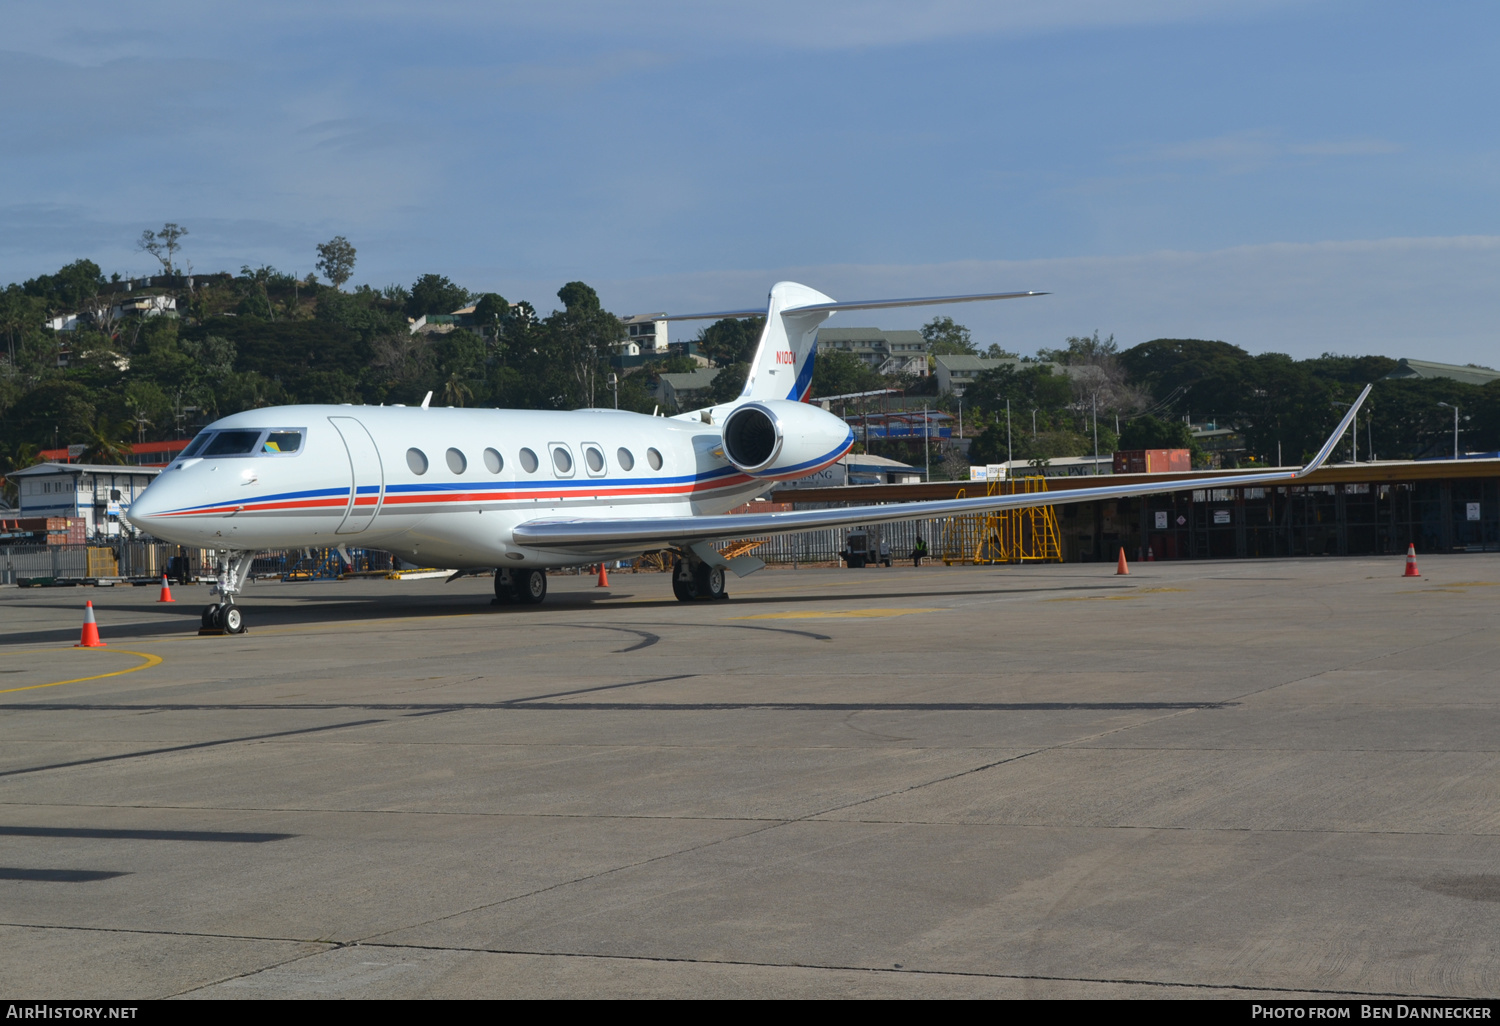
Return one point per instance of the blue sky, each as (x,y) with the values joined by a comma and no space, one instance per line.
(1290,176)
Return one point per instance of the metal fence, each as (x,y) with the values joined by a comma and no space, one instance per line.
(824,546)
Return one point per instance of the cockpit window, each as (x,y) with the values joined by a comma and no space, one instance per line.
(232,443)
(195,445)
(282,442)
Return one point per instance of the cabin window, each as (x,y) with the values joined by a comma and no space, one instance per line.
(594,458)
(457,462)
(232,443)
(654,458)
(493,461)
(528,461)
(625,459)
(282,442)
(562,461)
(416,459)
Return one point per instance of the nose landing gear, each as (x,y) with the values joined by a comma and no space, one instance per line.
(224,617)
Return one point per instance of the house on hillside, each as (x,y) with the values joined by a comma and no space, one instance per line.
(889,352)
(685,391)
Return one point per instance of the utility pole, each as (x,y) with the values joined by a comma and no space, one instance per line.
(1009,456)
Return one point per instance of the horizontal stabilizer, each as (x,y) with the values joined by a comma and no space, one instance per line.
(864,304)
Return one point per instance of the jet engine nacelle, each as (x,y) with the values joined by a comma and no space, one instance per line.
(773,438)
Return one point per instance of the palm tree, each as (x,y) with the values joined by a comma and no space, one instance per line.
(455,391)
(106,444)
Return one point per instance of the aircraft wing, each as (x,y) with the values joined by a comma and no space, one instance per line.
(661,532)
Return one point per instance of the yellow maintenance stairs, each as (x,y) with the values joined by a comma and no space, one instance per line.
(1025,535)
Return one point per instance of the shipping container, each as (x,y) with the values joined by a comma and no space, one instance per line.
(1152,461)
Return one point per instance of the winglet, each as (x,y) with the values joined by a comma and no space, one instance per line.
(1333,439)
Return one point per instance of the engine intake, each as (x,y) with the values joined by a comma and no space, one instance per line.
(777,438)
(751,438)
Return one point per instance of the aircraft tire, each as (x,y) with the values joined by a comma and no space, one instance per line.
(233,619)
(710,582)
(531,586)
(685,589)
(505,588)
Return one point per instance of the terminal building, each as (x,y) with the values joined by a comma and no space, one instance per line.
(91,498)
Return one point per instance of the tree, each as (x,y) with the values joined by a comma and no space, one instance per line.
(580,336)
(728,383)
(336,260)
(455,391)
(435,294)
(1149,433)
(163,244)
(69,288)
(838,373)
(107,444)
(945,338)
(731,340)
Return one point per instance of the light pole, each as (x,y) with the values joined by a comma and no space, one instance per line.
(1454,408)
(1009,455)
(1353,433)
(926,449)
(1095,403)
(614,379)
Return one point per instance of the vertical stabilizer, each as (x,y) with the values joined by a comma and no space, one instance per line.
(783,364)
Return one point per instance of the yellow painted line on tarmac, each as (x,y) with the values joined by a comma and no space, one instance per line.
(151,660)
(830,614)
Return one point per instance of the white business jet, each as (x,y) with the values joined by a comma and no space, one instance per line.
(518,491)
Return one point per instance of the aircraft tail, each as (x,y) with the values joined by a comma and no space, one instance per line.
(783,364)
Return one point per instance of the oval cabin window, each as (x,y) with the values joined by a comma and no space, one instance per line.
(562,460)
(457,462)
(595,459)
(528,461)
(625,459)
(493,461)
(417,461)
(654,458)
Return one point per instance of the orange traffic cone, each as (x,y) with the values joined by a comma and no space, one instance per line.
(1150,555)
(1411,561)
(90,637)
(1122,568)
(166,592)
(603,578)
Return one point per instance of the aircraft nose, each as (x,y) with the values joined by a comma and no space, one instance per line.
(145,511)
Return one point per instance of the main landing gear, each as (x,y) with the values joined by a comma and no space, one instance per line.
(223,616)
(694,579)
(527,587)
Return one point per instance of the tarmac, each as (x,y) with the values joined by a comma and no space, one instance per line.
(1273,778)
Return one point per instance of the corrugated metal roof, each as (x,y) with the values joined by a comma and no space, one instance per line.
(1429,369)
